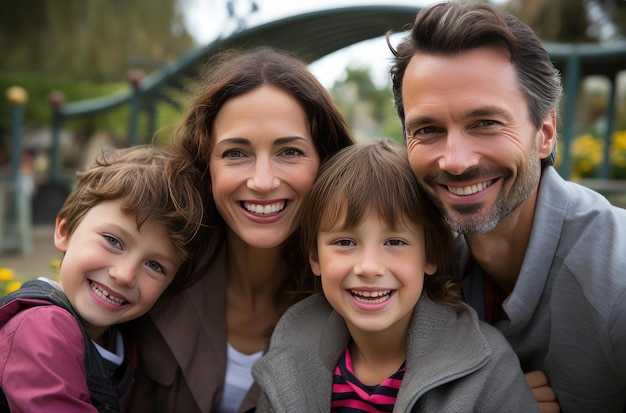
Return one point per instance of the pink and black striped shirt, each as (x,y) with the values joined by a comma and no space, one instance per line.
(352,396)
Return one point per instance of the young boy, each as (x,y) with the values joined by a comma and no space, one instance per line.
(126,232)
(374,342)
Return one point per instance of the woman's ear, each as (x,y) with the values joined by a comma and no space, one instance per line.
(430,269)
(61,235)
(315,263)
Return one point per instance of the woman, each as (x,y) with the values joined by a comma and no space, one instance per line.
(258,131)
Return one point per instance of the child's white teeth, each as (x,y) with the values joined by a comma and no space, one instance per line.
(372,294)
(264,209)
(104,295)
(371,297)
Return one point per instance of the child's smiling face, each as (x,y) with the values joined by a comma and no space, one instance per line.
(112,271)
(372,274)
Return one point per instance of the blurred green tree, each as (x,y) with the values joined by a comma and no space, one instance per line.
(95,40)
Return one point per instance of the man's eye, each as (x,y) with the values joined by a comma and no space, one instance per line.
(425,130)
(425,133)
(487,122)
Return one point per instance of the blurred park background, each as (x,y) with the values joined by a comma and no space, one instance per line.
(61,57)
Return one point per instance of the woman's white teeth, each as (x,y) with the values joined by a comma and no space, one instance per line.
(104,295)
(264,209)
(371,297)
(470,189)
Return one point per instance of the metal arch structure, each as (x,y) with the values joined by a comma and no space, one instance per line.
(313,35)
(308,36)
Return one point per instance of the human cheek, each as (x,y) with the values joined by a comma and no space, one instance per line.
(150,290)
(307,174)
(418,161)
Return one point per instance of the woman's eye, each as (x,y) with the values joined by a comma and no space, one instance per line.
(234,153)
(113,241)
(291,152)
(155,266)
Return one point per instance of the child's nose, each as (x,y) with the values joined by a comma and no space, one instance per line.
(123,275)
(369,265)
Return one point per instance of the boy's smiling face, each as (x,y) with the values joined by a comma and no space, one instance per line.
(372,274)
(112,271)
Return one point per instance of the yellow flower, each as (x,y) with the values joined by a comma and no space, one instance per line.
(12,286)
(55,265)
(6,274)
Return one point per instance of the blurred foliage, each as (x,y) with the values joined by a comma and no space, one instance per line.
(587,156)
(38,111)
(96,40)
(570,21)
(8,281)
(368,108)
(84,49)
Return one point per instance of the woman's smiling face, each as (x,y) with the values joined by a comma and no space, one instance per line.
(263,164)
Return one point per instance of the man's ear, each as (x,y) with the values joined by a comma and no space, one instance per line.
(61,235)
(315,263)
(546,135)
(430,269)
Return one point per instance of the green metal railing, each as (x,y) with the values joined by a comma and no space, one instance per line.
(312,36)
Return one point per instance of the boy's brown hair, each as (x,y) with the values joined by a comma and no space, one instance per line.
(376,176)
(151,186)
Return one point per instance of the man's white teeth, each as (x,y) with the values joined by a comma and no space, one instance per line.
(371,297)
(264,209)
(470,189)
(104,295)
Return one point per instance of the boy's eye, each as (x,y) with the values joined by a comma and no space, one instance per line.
(113,241)
(344,243)
(155,266)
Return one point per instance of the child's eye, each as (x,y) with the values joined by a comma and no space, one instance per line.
(344,243)
(155,266)
(113,241)
(395,242)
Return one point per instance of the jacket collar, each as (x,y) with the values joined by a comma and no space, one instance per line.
(198,342)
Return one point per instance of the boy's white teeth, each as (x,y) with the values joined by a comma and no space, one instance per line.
(470,189)
(371,297)
(264,209)
(104,295)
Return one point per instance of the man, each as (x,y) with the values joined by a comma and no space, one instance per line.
(544,259)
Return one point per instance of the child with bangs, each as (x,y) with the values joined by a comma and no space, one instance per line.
(390,331)
(127,232)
